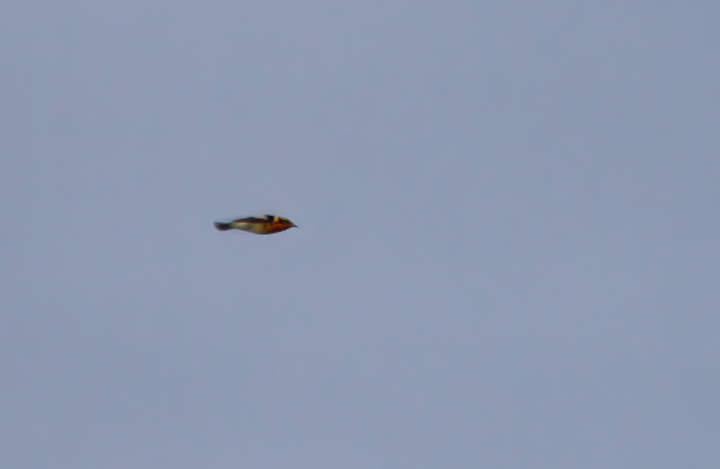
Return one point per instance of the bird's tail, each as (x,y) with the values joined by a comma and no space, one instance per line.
(223,226)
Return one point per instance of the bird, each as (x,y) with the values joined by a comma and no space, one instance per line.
(258,224)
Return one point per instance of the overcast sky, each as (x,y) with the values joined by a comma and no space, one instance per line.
(507,253)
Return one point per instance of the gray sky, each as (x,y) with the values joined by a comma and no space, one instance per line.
(507,254)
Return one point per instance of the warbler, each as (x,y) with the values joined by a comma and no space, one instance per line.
(259,224)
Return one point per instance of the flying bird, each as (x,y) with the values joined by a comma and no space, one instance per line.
(259,224)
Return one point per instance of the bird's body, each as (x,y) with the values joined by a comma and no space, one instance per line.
(259,224)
